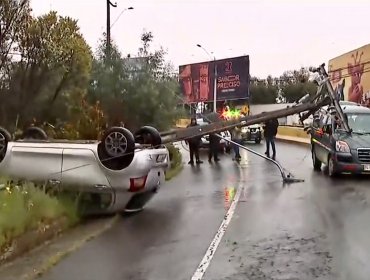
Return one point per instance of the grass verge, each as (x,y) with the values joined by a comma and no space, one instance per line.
(25,208)
(176,162)
(173,172)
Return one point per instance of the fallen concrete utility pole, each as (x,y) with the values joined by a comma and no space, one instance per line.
(218,125)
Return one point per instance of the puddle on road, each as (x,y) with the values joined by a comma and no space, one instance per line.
(224,197)
(229,194)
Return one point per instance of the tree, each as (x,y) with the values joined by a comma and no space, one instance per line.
(54,60)
(262,94)
(109,82)
(14,17)
(137,91)
(294,92)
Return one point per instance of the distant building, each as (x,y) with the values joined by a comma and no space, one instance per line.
(134,64)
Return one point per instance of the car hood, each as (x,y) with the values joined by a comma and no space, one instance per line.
(355,140)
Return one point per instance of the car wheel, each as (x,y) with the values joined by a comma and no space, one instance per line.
(148,135)
(117,148)
(34,133)
(331,167)
(5,137)
(258,141)
(316,162)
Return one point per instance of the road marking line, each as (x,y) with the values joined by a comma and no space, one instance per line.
(201,270)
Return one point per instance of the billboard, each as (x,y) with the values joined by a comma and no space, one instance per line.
(232,80)
(350,75)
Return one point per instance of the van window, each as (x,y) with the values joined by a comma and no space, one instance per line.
(359,123)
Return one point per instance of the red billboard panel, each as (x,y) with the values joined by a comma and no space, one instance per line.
(232,80)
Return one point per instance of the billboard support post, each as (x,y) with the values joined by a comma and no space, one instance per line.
(215,88)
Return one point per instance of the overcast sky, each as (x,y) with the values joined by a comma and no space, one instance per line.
(277,35)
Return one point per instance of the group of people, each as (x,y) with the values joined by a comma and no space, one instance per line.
(270,131)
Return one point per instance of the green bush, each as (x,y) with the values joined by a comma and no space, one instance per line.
(176,161)
(26,207)
(175,155)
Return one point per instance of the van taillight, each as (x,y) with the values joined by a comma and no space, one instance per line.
(137,184)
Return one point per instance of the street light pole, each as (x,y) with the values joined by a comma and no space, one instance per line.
(109,3)
(124,10)
(215,79)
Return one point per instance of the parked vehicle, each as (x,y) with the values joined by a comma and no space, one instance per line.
(252,133)
(225,145)
(341,151)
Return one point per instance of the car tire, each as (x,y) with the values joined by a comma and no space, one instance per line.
(155,137)
(34,133)
(257,141)
(5,138)
(331,167)
(117,148)
(315,161)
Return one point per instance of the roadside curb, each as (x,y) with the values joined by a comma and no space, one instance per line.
(293,141)
(55,259)
(43,258)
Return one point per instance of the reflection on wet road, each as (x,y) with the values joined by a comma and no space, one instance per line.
(317,229)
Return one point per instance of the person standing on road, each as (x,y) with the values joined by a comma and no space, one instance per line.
(194,145)
(270,131)
(236,136)
(214,145)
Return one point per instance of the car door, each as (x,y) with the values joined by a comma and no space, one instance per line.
(326,139)
(35,162)
(81,171)
(317,135)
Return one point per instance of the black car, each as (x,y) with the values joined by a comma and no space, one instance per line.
(340,151)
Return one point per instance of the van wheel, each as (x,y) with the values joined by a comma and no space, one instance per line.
(316,162)
(5,137)
(332,172)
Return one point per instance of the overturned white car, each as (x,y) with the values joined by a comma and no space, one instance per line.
(121,172)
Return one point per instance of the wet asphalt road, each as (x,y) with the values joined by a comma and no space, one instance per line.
(317,229)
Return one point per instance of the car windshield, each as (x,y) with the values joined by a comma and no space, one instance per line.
(359,123)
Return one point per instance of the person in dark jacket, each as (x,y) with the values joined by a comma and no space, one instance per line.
(194,144)
(214,144)
(270,131)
